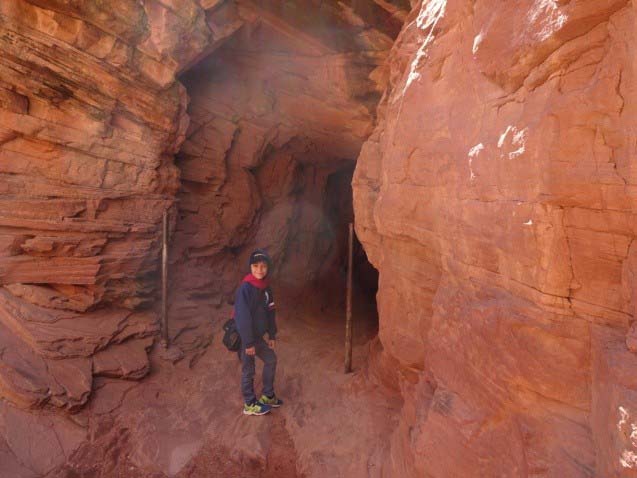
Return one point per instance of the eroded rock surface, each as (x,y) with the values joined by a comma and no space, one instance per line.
(497,199)
(495,193)
(91,115)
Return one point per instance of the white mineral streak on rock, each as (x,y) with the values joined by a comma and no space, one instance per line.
(623,417)
(476,42)
(503,136)
(473,154)
(428,17)
(545,18)
(628,459)
(518,139)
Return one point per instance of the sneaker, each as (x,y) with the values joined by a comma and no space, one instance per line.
(256,408)
(273,401)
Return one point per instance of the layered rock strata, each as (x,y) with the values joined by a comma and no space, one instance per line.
(497,199)
(90,118)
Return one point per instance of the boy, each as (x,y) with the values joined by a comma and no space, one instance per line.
(254,315)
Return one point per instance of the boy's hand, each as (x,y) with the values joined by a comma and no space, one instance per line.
(271,343)
(251,351)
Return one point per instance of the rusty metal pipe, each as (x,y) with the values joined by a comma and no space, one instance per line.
(164,281)
(348,310)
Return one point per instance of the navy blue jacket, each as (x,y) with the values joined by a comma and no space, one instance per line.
(254,313)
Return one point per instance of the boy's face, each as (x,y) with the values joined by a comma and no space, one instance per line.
(259,269)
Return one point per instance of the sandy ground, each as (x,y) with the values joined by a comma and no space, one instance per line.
(188,422)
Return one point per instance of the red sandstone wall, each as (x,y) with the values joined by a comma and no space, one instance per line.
(497,199)
(496,196)
(90,116)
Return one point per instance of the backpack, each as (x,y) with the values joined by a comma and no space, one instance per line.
(231,338)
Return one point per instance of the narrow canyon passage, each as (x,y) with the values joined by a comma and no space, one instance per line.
(258,147)
(486,152)
(330,423)
(195,428)
(268,160)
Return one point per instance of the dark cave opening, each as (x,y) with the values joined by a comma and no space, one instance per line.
(310,248)
(332,277)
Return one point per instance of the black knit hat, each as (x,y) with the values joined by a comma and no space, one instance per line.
(260,255)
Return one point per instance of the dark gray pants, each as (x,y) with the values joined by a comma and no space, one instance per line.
(268,356)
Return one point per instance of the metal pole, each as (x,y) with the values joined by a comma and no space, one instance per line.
(348,312)
(164,281)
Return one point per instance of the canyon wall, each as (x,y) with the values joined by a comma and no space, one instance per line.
(497,199)
(90,118)
(494,192)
